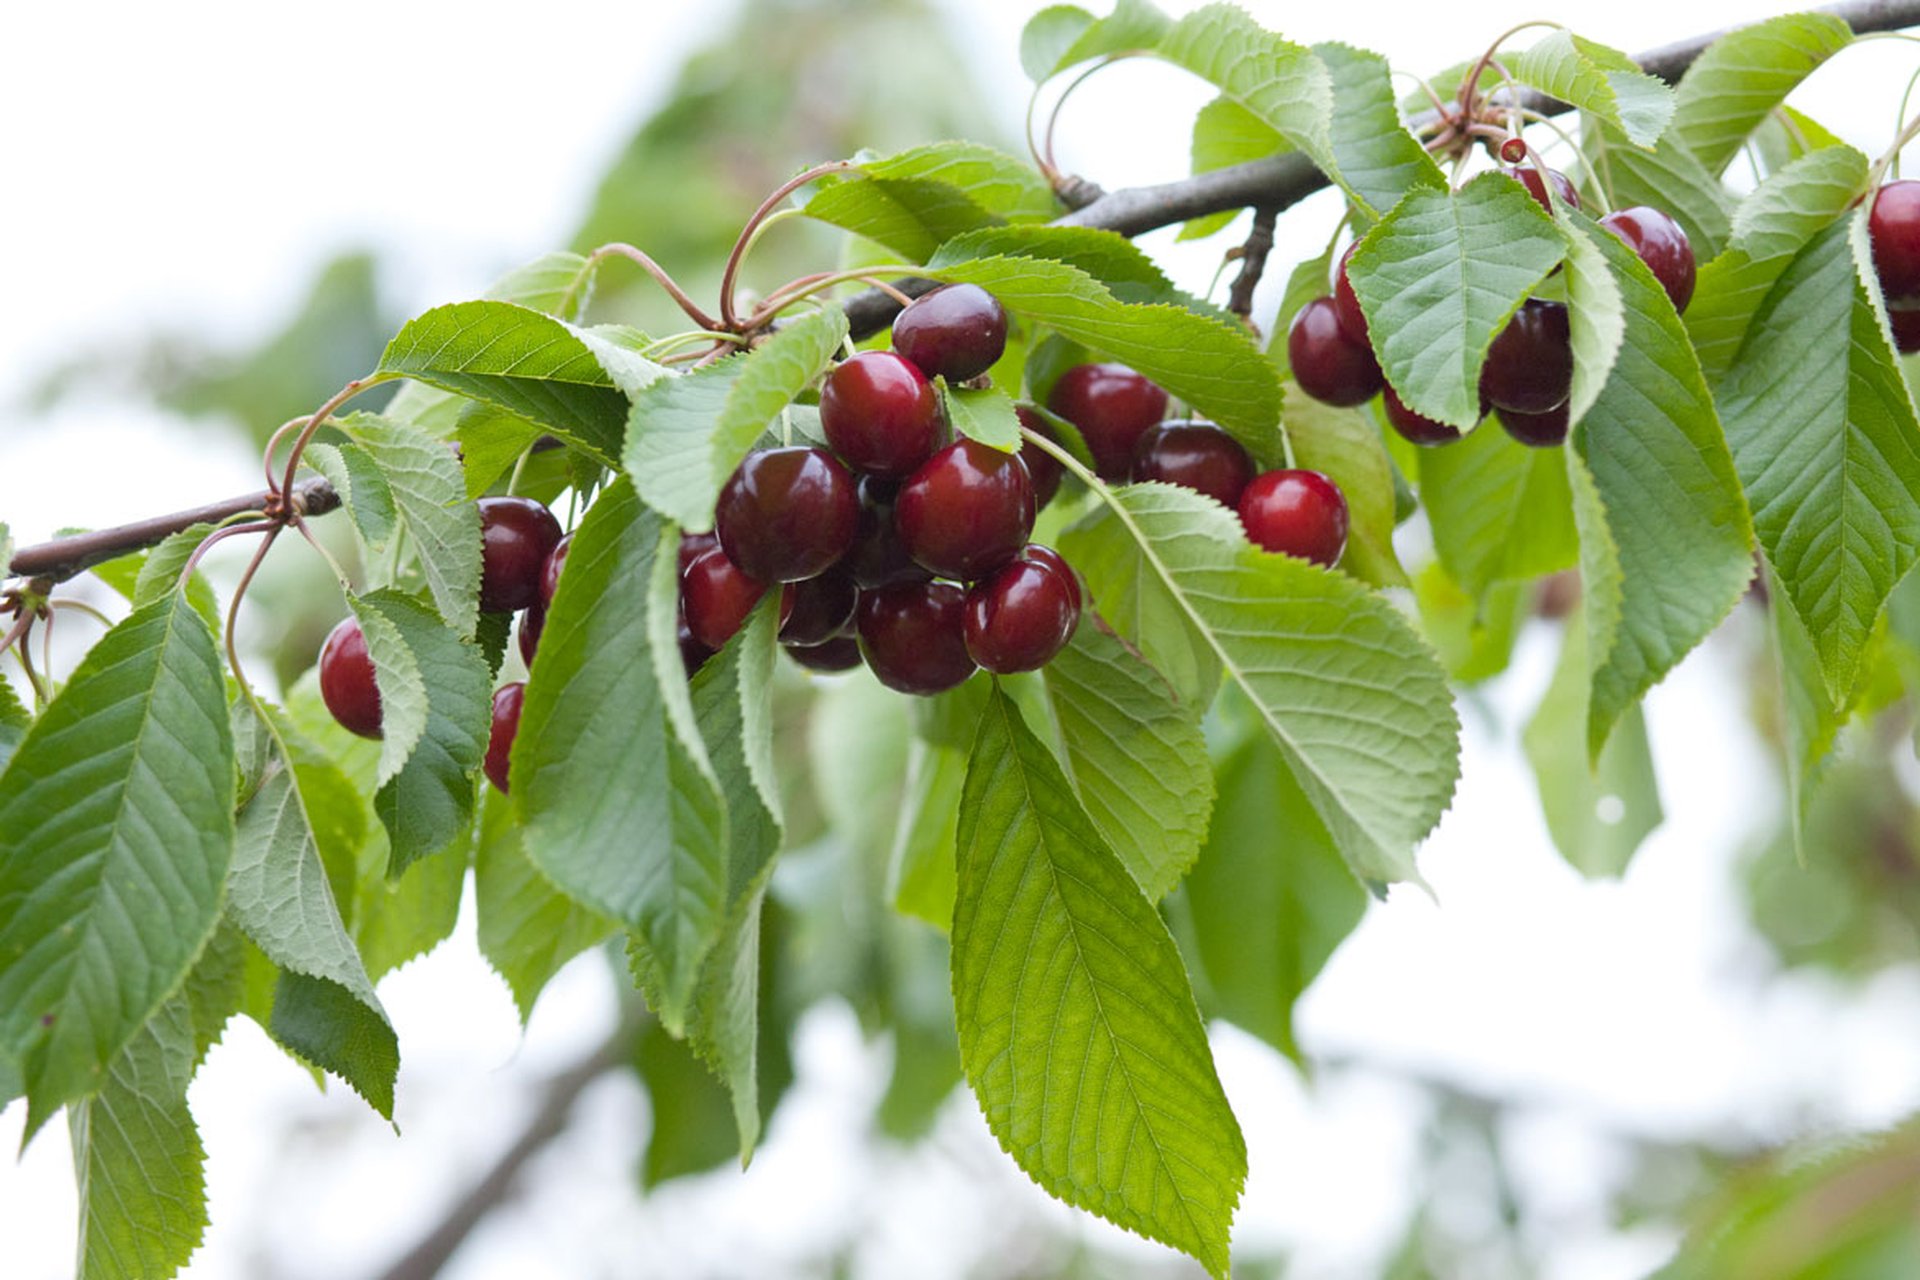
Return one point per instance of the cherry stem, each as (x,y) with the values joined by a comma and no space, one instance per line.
(1050,165)
(216,537)
(728,318)
(1892,155)
(23,653)
(233,611)
(1470,85)
(81,606)
(318,420)
(346,584)
(620,249)
(806,286)
(273,447)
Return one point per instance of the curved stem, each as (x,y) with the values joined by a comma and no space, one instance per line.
(233,612)
(273,446)
(318,420)
(81,606)
(1053,117)
(346,584)
(21,642)
(620,249)
(806,286)
(218,536)
(659,349)
(729,320)
(1471,84)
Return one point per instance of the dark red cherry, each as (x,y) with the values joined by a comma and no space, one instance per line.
(1529,367)
(913,636)
(967,511)
(717,597)
(516,537)
(1112,407)
(693,654)
(550,572)
(841,653)
(955,332)
(819,608)
(1906,331)
(1042,467)
(1329,365)
(1415,427)
(1661,244)
(346,680)
(1536,186)
(1196,455)
(1346,304)
(693,544)
(1894,228)
(1020,617)
(1055,561)
(532,622)
(1300,513)
(878,558)
(1538,430)
(786,514)
(507,700)
(879,413)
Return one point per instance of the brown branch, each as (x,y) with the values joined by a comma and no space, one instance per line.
(1253,263)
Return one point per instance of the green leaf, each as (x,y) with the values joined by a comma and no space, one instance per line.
(1499,510)
(1473,636)
(1356,701)
(490,440)
(1440,276)
(1344,445)
(1119,264)
(363,490)
(1824,435)
(687,434)
(1135,756)
(1741,77)
(1667,177)
(428,803)
(1595,316)
(559,284)
(116,828)
(1598,812)
(1378,159)
(1603,82)
(1048,35)
(1081,1038)
(138,1161)
(1224,134)
(913,200)
(986,416)
(921,866)
(1063,36)
(1812,718)
(14,720)
(429,493)
(528,928)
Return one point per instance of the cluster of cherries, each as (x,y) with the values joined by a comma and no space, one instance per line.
(1528,374)
(1893,226)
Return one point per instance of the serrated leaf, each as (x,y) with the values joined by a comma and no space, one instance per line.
(1135,755)
(1357,703)
(1078,1029)
(1047,37)
(1600,81)
(1740,78)
(1344,445)
(14,719)
(1377,157)
(116,829)
(1119,264)
(986,416)
(402,687)
(1226,133)
(1499,510)
(559,284)
(1824,435)
(429,495)
(1666,177)
(160,571)
(363,490)
(1595,319)
(687,434)
(528,928)
(915,199)
(490,440)
(1440,276)
(1063,36)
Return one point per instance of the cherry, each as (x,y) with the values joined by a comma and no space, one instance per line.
(1022,616)
(1661,244)
(914,636)
(841,653)
(786,514)
(532,622)
(878,557)
(1346,304)
(1894,227)
(1300,513)
(693,654)
(1112,407)
(880,414)
(1535,181)
(817,609)
(1055,561)
(717,597)
(1538,430)
(507,700)
(1414,427)
(1529,367)
(967,511)
(955,332)
(550,572)
(516,536)
(1042,467)
(1906,331)
(346,680)
(1199,456)
(692,544)
(1329,365)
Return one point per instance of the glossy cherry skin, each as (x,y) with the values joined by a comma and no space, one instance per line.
(346,680)
(1906,331)
(693,544)
(914,637)
(1197,456)
(878,557)
(841,653)
(1346,304)
(1055,561)
(717,597)
(786,514)
(955,332)
(1300,513)
(1537,430)
(967,511)
(1529,367)
(507,700)
(879,413)
(819,608)
(1019,618)
(1329,365)
(1042,467)
(1112,407)
(550,572)
(516,537)
(532,623)
(693,654)
(1536,186)
(1894,227)
(1414,427)
(1661,244)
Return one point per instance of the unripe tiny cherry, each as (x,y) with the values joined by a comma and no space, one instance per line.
(507,701)
(955,332)
(1414,427)
(1019,618)
(913,636)
(1197,456)
(1328,364)
(516,536)
(879,413)
(347,684)
(1111,406)
(1299,513)
(786,514)
(717,597)
(1662,244)
(1538,430)
(1529,367)
(967,511)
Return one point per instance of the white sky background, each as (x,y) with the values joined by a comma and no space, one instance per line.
(167,165)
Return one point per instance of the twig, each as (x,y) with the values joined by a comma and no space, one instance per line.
(1253,262)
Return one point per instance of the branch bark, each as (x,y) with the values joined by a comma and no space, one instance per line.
(1278,183)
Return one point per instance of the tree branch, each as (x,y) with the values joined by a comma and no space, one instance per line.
(1276,183)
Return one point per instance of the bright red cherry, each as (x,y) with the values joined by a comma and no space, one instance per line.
(819,608)
(346,680)
(1536,186)
(1055,561)
(878,558)
(692,544)
(879,413)
(516,537)
(532,622)
(955,332)
(1414,427)
(1538,430)
(693,654)
(507,700)
(1019,618)
(1112,407)
(1661,244)
(967,511)
(1529,367)
(1042,467)
(1199,456)
(1329,365)
(914,636)
(1894,227)
(1346,304)
(786,514)
(1300,513)
(550,572)
(841,653)
(1906,331)
(717,597)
